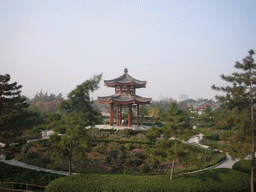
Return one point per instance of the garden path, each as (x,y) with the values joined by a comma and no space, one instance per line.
(24,165)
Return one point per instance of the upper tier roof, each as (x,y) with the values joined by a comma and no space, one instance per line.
(128,99)
(125,79)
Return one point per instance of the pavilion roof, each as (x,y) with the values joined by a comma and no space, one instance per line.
(125,79)
(124,99)
(197,105)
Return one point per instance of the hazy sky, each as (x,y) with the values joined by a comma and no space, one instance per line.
(179,46)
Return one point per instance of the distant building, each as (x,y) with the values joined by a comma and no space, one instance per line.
(183,97)
(199,106)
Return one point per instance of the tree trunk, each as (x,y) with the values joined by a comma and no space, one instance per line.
(253,139)
(70,160)
(172,170)
(253,152)
(252,163)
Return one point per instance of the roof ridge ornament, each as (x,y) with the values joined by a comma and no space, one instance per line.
(125,70)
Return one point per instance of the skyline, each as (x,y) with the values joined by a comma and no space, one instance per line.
(177,47)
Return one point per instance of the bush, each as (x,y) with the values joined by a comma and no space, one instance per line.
(144,168)
(211,180)
(151,136)
(243,166)
(101,148)
(133,161)
(215,136)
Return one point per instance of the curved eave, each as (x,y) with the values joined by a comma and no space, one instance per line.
(125,102)
(133,84)
(135,100)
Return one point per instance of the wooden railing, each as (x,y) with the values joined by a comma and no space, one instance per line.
(10,186)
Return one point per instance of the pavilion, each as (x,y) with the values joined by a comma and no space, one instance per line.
(124,97)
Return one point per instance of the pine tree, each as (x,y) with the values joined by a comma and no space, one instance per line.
(79,113)
(240,98)
(79,104)
(12,105)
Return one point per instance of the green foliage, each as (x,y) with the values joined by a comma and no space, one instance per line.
(239,99)
(204,120)
(143,112)
(10,173)
(215,136)
(78,105)
(243,166)
(152,136)
(57,127)
(123,141)
(44,97)
(125,133)
(45,104)
(14,117)
(211,180)
(175,115)
(75,143)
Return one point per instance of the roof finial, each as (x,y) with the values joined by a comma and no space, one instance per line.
(125,70)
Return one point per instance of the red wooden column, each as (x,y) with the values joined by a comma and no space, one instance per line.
(138,114)
(130,115)
(117,114)
(111,114)
(120,114)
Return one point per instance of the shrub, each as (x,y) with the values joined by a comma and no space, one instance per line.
(215,136)
(211,180)
(141,137)
(151,136)
(133,161)
(125,132)
(101,148)
(144,168)
(243,166)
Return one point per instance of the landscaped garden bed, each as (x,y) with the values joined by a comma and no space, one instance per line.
(130,153)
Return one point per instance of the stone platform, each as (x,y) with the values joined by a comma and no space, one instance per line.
(133,127)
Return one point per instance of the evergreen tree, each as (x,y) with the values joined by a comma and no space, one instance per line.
(79,113)
(14,117)
(79,104)
(74,144)
(177,119)
(204,119)
(240,98)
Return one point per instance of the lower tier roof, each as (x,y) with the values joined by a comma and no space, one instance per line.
(125,99)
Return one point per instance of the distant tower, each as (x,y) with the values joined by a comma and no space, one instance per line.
(183,97)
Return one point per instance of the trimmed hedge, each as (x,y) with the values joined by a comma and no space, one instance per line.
(211,180)
(243,166)
(11,173)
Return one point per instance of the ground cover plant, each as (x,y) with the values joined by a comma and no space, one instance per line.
(211,180)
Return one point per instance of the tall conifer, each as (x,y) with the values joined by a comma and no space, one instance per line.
(240,98)
(11,105)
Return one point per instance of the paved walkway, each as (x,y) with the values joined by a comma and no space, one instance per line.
(24,165)
(228,163)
